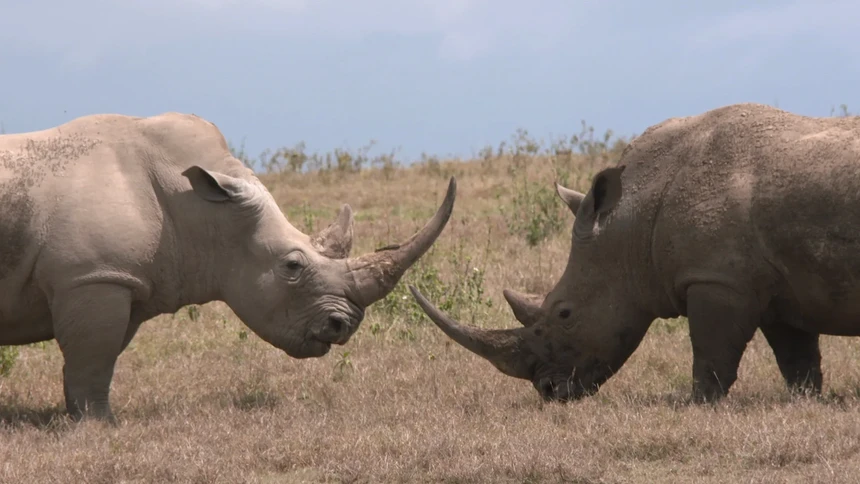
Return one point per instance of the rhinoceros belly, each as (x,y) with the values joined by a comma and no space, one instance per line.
(27,319)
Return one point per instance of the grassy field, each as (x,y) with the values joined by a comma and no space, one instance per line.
(201,399)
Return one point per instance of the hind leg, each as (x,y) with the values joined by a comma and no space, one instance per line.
(797,355)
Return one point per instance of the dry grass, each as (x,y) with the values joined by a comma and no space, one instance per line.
(201,400)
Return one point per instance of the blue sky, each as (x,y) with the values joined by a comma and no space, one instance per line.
(445,77)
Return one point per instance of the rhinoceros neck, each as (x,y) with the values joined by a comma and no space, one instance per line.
(191,247)
(206,243)
(625,249)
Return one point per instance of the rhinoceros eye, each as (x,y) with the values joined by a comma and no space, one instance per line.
(293,265)
(564,313)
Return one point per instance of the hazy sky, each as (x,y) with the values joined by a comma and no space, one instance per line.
(442,76)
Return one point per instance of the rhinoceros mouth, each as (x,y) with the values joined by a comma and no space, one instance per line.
(572,393)
(322,347)
(311,348)
(563,390)
(583,382)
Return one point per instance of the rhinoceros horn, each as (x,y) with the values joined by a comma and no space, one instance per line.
(376,274)
(526,307)
(335,241)
(571,198)
(506,349)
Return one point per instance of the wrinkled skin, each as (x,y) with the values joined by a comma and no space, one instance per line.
(741,218)
(111,220)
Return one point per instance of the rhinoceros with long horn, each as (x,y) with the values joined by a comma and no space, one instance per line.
(110,220)
(741,218)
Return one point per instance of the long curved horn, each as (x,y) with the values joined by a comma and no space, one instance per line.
(504,348)
(335,241)
(571,198)
(376,274)
(526,307)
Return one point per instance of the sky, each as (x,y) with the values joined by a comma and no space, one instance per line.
(444,77)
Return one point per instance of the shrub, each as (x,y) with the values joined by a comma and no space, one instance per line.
(8,357)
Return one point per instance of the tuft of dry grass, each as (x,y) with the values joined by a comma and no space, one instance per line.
(201,399)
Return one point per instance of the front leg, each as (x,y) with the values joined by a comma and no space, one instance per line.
(797,355)
(722,322)
(90,325)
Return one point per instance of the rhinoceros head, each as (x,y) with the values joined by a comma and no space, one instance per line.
(580,333)
(302,293)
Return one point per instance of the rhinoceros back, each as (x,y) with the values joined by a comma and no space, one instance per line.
(28,165)
(768,200)
(79,196)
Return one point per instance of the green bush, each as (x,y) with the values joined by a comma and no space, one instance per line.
(460,296)
(8,357)
(535,212)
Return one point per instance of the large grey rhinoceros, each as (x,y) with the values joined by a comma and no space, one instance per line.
(739,218)
(110,220)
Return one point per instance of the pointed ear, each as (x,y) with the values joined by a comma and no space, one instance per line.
(213,186)
(335,241)
(602,198)
(571,198)
(606,190)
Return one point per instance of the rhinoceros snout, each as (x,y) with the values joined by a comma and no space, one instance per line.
(552,391)
(545,388)
(560,390)
(336,329)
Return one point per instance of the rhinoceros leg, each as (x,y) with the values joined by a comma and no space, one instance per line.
(722,322)
(90,324)
(797,355)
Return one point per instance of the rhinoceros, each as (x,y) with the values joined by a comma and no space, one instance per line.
(110,220)
(740,218)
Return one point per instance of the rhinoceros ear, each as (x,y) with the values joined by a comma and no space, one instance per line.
(213,186)
(606,189)
(604,195)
